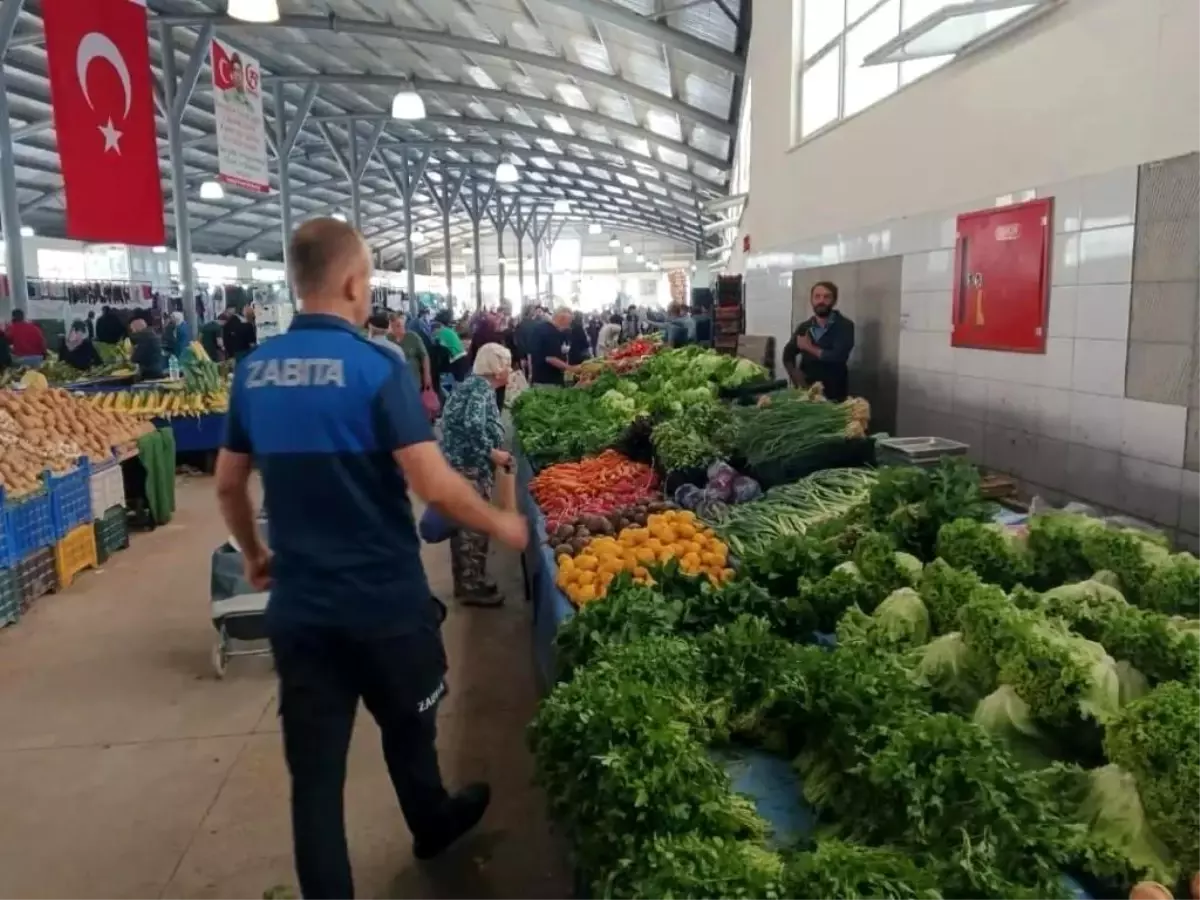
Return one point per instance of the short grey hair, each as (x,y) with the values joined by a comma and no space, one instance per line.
(492,359)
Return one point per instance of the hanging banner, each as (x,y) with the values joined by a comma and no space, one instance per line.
(241,132)
(98,58)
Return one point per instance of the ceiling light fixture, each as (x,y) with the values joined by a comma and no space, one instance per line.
(26,231)
(627,249)
(159,249)
(340,216)
(613,242)
(594,228)
(641,257)
(408,105)
(251,256)
(254,10)
(211,190)
(506,173)
(562,206)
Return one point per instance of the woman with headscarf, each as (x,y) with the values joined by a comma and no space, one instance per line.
(77,349)
(447,338)
(471,440)
(580,347)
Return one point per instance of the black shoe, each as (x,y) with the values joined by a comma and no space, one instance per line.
(463,813)
(487,595)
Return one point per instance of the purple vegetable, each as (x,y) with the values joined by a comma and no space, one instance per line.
(687,496)
(720,479)
(711,506)
(745,489)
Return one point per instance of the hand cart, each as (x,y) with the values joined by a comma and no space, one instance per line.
(238,611)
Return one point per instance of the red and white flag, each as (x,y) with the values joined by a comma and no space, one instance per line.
(103,102)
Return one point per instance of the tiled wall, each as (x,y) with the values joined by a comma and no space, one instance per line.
(1108,413)
(869,294)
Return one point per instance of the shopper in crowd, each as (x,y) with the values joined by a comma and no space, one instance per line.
(549,346)
(339,444)
(210,337)
(181,335)
(28,342)
(109,327)
(414,351)
(484,330)
(579,346)
(147,349)
(90,324)
(609,338)
(523,335)
(6,357)
(632,327)
(593,333)
(250,325)
(702,326)
(471,439)
(377,333)
(447,338)
(238,334)
(820,348)
(77,349)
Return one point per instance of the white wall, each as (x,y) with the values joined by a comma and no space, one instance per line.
(1094,85)
(1068,108)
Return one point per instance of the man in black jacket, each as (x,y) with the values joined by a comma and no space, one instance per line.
(820,347)
(109,328)
(147,349)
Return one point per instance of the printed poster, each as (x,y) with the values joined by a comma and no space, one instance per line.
(241,131)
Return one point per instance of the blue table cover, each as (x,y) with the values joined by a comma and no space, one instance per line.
(196,434)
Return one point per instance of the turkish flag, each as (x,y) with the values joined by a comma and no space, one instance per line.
(103,102)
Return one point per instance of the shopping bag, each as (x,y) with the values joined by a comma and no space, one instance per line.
(429,400)
(434,528)
(504,495)
(517,385)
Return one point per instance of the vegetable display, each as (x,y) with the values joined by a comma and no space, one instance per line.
(596,485)
(978,731)
(572,537)
(564,425)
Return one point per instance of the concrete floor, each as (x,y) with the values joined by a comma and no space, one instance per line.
(128,770)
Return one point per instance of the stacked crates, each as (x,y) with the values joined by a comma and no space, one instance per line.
(108,509)
(26,554)
(10,598)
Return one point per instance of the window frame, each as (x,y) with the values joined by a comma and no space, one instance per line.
(876,57)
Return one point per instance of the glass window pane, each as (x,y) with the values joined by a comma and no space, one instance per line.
(913,69)
(916,10)
(819,92)
(823,21)
(856,8)
(953,34)
(870,84)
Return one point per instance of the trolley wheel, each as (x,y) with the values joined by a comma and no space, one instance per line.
(219,654)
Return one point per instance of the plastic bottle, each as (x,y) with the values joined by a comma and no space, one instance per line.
(173,368)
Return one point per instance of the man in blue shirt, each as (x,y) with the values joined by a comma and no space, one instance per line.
(336,427)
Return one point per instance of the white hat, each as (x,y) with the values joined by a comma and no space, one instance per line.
(492,359)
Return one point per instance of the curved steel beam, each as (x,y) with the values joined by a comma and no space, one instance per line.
(618,15)
(365,27)
(511,98)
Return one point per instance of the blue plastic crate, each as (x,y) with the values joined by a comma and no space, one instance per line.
(70,498)
(26,525)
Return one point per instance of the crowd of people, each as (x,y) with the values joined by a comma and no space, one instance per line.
(154,338)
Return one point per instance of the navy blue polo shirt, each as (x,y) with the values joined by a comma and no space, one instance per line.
(547,341)
(321,409)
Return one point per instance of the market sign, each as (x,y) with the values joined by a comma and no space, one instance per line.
(241,132)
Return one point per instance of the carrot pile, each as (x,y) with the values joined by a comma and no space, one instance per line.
(596,485)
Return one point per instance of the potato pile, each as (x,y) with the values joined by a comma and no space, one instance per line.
(675,534)
(44,429)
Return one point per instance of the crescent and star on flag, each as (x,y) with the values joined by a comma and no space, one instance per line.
(93,46)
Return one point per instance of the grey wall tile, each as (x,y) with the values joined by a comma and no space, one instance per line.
(1167,251)
(1189,502)
(1164,311)
(1160,373)
(1092,474)
(1149,490)
(1169,189)
(1191,449)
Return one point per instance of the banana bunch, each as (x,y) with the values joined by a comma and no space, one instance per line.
(163,404)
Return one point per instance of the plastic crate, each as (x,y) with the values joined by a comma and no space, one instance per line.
(26,525)
(107,485)
(70,498)
(112,533)
(74,553)
(10,598)
(36,576)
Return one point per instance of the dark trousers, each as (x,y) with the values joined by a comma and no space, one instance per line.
(322,675)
